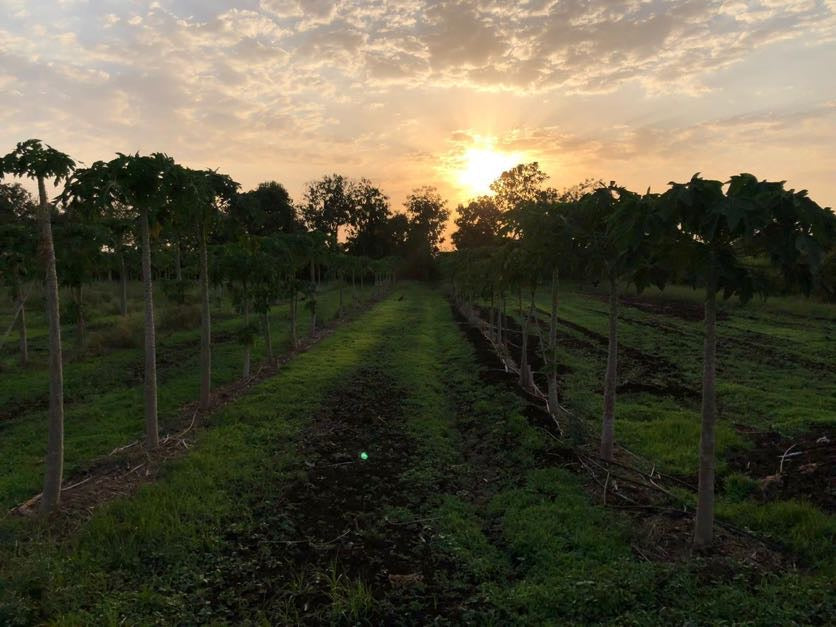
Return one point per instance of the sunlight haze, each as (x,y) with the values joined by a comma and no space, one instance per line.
(431,93)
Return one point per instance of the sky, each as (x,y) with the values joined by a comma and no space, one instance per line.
(417,92)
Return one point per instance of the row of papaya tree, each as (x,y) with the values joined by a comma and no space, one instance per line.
(113,207)
(740,237)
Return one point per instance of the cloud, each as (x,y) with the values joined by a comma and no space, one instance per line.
(387,84)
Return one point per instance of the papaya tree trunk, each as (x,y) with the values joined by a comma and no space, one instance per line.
(523,381)
(123,279)
(24,342)
(248,347)
(704,528)
(340,308)
(178,266)
(554,401)
(608,421)
(205,322)
(501,314)
(313,298)
(492,319)
(152,435)
(529,375)
(55,437)
(293,335)
(81,326)
(268,338)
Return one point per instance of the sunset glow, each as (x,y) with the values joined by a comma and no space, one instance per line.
(431,93)
(482,166)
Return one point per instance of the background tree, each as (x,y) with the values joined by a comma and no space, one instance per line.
(367,220)
(427,213)
(522,183)
(327,206)
(478,223)
(396,235)
(265,210)
(35,160)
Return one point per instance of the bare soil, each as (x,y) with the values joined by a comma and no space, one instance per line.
(803,467)
(682,309)
(630,359)
(329,530)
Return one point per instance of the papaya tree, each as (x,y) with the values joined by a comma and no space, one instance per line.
(275,264)
(80,247)
(120,242)
(314,247)
(18,250)
(235,263)
(198,198)
(716,227)
(42,162)
(603,248)
(522,267)
(138,186)
(544,229)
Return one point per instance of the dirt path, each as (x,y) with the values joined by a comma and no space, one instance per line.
(349,539)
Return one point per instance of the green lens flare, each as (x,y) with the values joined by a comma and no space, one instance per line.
(364,456)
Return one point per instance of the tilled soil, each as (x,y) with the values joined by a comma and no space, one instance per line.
(325,546)
(659,376)
(684,310)
(790,468)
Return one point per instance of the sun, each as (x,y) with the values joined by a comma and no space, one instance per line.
(482,166)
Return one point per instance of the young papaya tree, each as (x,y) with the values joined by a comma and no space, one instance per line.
(138,186)
(522,268)
(717,226)
(198,198)
(42,162)
(603,249)
(314,247)
(340,263)
(18,251)
(532,218)
(274,265)
(297,252)
(120,242)
(235,263)
(80,247)
(544,227)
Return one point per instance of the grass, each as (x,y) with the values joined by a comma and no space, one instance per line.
(509,535)
(103,389)
(774,363)
(146,553)
(557,558)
